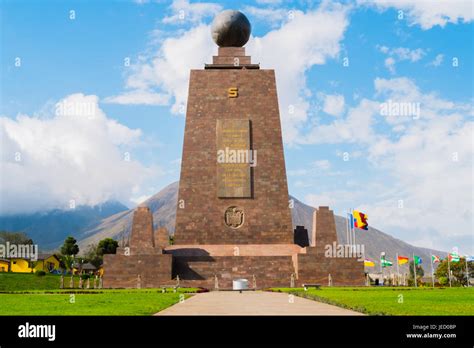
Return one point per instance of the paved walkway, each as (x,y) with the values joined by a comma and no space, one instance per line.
(252,303)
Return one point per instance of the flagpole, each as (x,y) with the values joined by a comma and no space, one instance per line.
(467,272)
(414,270)
(347,225)
(398,272)
(381,270)
(347,228)
(449,272)
(432,273)
(381,264)
(353,229)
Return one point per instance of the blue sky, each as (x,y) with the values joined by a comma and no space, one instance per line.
(336,65)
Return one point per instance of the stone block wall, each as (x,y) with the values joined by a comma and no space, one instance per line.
(200,270)
(134,271)
(314,268)
(142,237)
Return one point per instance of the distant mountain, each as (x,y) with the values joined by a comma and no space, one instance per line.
(163,206)
(49,229)
(118,226)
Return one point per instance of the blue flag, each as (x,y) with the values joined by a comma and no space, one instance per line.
(351,217)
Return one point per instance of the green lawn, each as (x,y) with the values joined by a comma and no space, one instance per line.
(29,294)
(90,302)
(394,301)
(29,281)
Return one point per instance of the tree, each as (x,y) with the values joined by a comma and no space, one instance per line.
(68,251)
(419,271)
(95,253)
(70,247)
(93,256)
(107,246)
(67,261)
(443,281)
(458,270)
(15,238)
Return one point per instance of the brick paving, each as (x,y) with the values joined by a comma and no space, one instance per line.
(252,303)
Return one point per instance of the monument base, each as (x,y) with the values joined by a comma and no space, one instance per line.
(315,268)
(137,271)
(218,272)
(267,266)
(214,266)
(233,250)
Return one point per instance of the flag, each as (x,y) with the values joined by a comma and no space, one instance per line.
(386,263)
(435,259)
(369,263)
(352,221)
(360,220)
(417,260)
(453,257)
(402,260)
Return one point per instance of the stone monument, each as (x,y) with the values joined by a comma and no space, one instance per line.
(233,110)
(140,260)
(233,218)
(314,266)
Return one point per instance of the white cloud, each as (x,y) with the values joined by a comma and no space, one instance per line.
(297,172)
(77,153)
(404,53)
(285,50)
(428,14)
(437,61)
(405,90)
(400,54)
(292,55)
(332,198)
(428,164)
(140,199)
(176,161)
(139,97)
(390,64)
(271,15)
(333,104)
(269,2)
(383,49)
(400,87)
(184,11)
(165,75)
(319,200)
(355,127)
(322,164)
(436,190)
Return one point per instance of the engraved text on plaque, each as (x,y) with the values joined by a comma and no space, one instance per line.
(233,156)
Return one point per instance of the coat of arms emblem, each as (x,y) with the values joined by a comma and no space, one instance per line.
(234,217)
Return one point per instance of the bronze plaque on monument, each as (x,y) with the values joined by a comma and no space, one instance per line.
(233,158)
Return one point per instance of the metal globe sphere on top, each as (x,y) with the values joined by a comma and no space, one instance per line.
(231,28)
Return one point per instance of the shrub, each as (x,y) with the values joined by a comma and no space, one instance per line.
(85,276)
(40,273)
(443,280)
